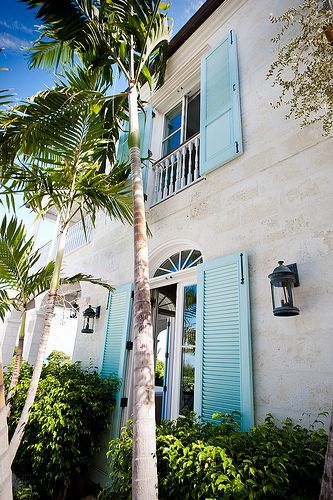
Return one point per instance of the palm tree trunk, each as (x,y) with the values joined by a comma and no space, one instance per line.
(17,359)
(5,468)
(19,431)
(144,464)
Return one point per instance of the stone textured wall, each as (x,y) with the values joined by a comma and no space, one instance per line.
(275,202)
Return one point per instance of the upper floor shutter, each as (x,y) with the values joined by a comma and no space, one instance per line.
(220,120)
(145,127)
(223,376)
(117,328)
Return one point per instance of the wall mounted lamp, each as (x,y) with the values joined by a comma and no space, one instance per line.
(89,316)
(283,280)
(74,310)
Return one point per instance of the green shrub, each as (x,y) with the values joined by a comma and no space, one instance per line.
(212,461)
(24,491)
(71,409)
(159,372)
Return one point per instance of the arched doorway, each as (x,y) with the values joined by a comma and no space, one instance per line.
(174,296)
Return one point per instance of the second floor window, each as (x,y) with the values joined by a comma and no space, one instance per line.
(181,123)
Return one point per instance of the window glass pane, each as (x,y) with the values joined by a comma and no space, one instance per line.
(188,350)
(175,260)
(187,381)
(190,315)
(185,254)
(171,143)
(173,121)
(193,259)
(193,117)
(160,272)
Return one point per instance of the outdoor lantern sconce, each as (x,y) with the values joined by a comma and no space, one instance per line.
(89,316)
(283,280)
(74,310)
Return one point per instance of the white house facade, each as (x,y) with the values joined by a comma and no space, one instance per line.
(232,188)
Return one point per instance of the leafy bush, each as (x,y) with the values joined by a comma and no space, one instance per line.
(159,372)
(71,409)
(211,461)
(24,491)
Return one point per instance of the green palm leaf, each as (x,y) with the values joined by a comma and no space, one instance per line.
(5,304)
(16,254)
(77,278)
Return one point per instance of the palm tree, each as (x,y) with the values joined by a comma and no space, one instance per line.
(20,274)
(17,258)
(132,35)
(19,286)
(53,150)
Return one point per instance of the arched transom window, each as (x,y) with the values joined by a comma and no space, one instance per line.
(179,261)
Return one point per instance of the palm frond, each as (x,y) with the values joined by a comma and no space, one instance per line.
(65,25)
(152,59)
(76,278)
(51,53)
(62,122)
(100,192)
(5,304)
(39,282)
(5,97)
(16,254)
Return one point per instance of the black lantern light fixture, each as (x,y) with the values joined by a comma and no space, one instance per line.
(283,280)
(74,310)
(89,316)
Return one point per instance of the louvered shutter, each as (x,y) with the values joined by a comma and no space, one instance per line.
(122,152)
(145,127)
(220,120)
(223,380)
(117,329)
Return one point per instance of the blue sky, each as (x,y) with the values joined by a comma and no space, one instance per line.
(17,30)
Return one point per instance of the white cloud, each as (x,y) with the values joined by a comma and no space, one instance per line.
(11,42)
(16,25)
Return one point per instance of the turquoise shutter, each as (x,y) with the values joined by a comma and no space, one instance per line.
(223,374)
(220,120)
(122,152)
(117,329)
(145,127)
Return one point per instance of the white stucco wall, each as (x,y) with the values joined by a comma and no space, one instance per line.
(275,201)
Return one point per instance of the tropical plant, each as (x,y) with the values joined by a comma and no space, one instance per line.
(303,67)
(133,36)
(55,147)
(159,372)
(72,408)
